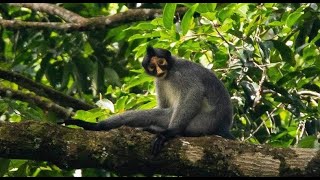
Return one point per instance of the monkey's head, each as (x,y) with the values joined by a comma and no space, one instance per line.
(157,62)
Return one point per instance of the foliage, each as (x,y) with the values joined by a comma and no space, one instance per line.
(267,55)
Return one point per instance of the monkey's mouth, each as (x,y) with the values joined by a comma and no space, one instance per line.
(161,75)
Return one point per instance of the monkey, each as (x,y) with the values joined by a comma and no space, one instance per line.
(191,101)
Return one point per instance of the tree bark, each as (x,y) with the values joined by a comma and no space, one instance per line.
(79,23)
(127,151)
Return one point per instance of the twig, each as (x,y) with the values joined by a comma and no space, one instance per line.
(251,134)
(309,93)
(258,93)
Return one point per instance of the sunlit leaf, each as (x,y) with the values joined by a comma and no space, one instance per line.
(206,7)
(292,18)
(143,26)
(168,14)
(121,103)
(187,18)
(308,142)
(285,51)
(148,105)
(89,116)
(226,12)
(105,104)
(138,80)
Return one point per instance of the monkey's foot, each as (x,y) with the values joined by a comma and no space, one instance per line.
(158,144)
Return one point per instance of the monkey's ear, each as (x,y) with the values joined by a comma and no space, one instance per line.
(167,53)
(150,51)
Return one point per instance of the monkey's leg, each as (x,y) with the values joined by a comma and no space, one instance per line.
(153,129)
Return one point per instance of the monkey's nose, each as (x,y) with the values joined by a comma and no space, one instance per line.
(161,74)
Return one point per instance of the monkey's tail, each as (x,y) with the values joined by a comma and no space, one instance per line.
(85,125)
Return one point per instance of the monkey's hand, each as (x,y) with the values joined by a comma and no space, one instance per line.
(158,144)
(162,138)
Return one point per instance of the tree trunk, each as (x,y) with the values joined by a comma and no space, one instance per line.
(127,151)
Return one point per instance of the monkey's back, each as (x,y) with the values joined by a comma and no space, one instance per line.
(217,110)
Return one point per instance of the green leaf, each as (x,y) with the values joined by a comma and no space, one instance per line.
(82,115)
(87,49)
(264,50)
(142,26)
(4,165)
(140,50)
(308,142)
(285,52)
(138,80)
(275,23)
(242,9)
(226,12)
(168,14)
(227,24)
(3,106)
(187,18)
(89,116)
(22,170)
(315,38)
(144,35)
(148,105)
(288,77)
(105,104)
(206,7)
(111,76)
(120,104)
(292,18)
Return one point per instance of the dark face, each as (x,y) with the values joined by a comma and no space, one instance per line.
(158,62)
(158,67)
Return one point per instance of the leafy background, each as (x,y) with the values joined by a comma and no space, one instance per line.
(267,55)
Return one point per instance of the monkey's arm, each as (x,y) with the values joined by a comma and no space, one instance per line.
(188,108)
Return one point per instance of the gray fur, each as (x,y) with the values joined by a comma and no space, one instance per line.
(190,98)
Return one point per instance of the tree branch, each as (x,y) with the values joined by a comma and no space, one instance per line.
(53,9)
(45,91)
(127,151)
(43,103)
(16,24)
(80,23)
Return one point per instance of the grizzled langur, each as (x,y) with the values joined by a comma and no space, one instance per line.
(192,101)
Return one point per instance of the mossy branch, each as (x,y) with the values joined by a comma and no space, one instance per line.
(76,22)
(127,151)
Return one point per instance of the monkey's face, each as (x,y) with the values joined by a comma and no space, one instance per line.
(158,67)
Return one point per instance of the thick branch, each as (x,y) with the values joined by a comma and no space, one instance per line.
(132,15)
(43,103)
(53,10)
(16,24)
(45,91)
(127,151)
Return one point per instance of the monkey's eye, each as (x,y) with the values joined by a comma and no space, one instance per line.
(151,68)
(162,61)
